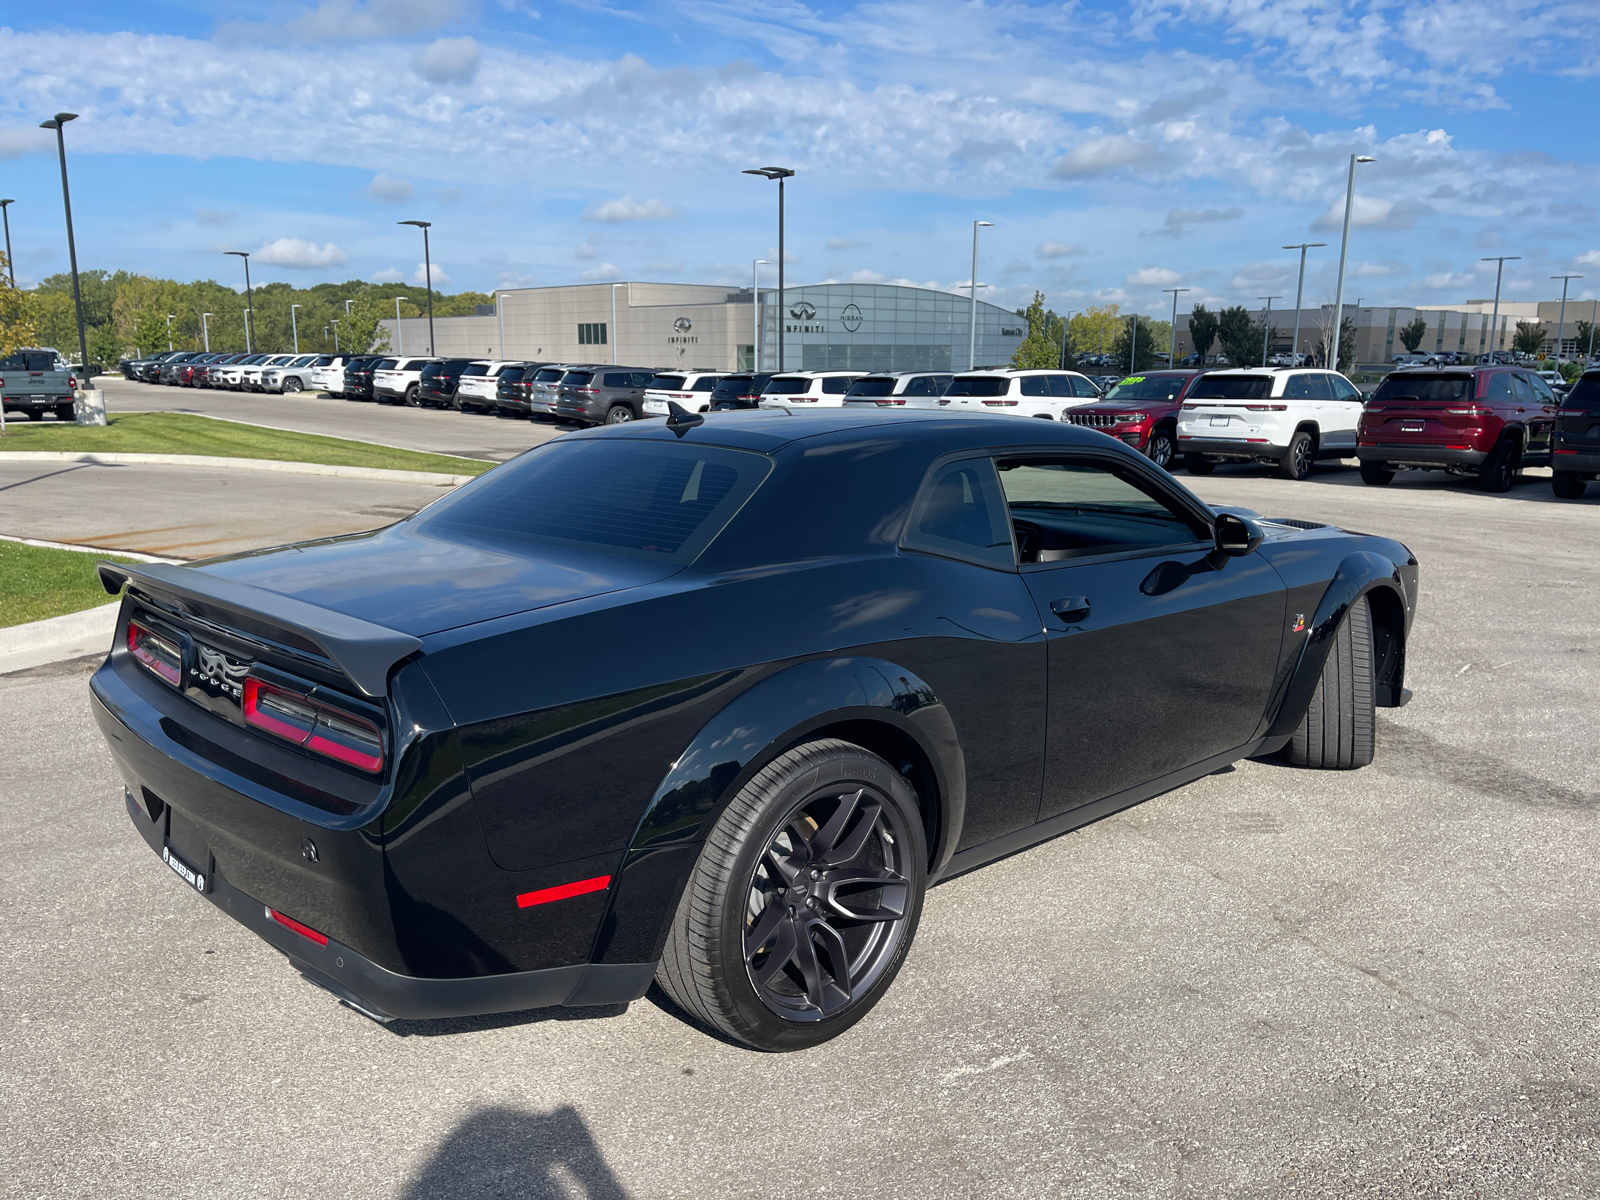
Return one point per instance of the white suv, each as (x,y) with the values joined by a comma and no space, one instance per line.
(825,389)
(690,389)
(327,373)
(250,377)
(480,383)
(1046,394)
(899,389)
(1285,417)
(396,379)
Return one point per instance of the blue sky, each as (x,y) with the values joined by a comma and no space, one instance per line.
(1118,149)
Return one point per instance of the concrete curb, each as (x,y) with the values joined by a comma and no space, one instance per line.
(57,639)
(100,550)
(247,464)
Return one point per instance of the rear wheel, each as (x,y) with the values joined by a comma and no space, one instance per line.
(1161,449)
(1297,459)
(36,414)
(804,902)
(620,414)
(1336,733)
(1499,470)
(291,384)
(64,413)
(1196,464)
(411,400)
(1376,473)
(1568,485)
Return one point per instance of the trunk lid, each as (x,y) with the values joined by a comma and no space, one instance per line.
(1424,409)
(1578,420)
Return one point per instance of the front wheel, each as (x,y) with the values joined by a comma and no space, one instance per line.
(1197,464)
(1337,731)
(805,900)
(1567,485)
(1499,470)
(1297,460)
(291,385)
(1376,473)
(620,414)
(1160,449)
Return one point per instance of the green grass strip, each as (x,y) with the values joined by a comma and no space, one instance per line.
(37,582)
(181,433)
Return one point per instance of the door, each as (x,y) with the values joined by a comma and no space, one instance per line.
(1541,416)
(1157,656)
(1344,414)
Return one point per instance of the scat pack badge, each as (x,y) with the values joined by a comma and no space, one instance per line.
(1299,622)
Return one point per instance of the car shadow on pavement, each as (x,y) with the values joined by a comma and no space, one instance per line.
(501,1152)
(448,1026)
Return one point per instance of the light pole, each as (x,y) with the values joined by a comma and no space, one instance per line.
(1344,250)
(780,174)
(249,298)
(1561,325)
(294,328)
(347,305)
(1500,262)
(205,329)
(249,326)
(1300,292)
(1066,332)
(427,267)
(58,122)
(1266,327)
(972,331)
(755,309)
(399,335)
(171,317)
(614,338)
(11,263)
(335,335)
(1172,351)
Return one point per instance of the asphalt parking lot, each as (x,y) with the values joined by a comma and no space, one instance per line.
(1269,983)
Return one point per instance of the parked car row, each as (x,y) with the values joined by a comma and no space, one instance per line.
(230,371)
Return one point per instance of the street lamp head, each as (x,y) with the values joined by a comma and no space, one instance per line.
(984,224)
(1365,158)
(1502,258)
(3,203)
(240,253)
(761,262)
(770,172)
(1305,245)
(418,224)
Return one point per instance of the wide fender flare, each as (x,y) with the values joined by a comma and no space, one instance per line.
(735,744)
(1359,573)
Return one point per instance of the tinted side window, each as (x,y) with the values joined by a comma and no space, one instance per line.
(962,513)
(618,379)
(1035,385)
(1500,388)
(641,378)
(1343,389)
(1061,385)
(919,387)
(836,386)
(1300,387)
(1083,386)
(1519,384)
(1541,391)
(706,384)
(1065,509)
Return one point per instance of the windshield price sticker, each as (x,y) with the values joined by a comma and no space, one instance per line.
(1134,379)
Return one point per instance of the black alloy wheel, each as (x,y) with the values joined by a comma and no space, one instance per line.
(804,902)
(411,398)
(620,414)
(1567,485)
(1297,460)
(1198,464)
(1499,471)
(1376,473)
(1160,448)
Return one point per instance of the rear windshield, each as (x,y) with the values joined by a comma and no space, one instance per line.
(640,499)
(666,383)
(577,378)
(1148,387)
(549,375)
(28,360)
(1234,387)
(788,385)
(978,385)
(1425,387)
(386,364)
(475,369)
(509,374)
(1585,394)
(740,385)
(873,387)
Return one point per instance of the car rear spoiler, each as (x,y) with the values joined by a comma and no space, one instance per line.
(363,651)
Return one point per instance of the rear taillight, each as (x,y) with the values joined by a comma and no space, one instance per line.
(1471,410)
(1001,403)
(1267,407)
(72,381)
(156,654)
(313,725)
(889,400)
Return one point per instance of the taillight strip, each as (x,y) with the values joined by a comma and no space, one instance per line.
(564,891)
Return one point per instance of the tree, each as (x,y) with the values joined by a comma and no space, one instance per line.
(1240,337)
(1347,343)
(1585,337)
(1039,351)
(359,330)
(16,326)
(1412,333)
(1202,329)
(1144,351)
(1093,331)
(1529,338)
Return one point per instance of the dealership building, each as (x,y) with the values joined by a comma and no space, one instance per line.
(855,326)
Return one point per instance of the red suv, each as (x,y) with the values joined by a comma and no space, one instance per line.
(1141,410)
(1486,421)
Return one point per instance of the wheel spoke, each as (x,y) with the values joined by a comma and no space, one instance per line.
(891,905)
(785,869)
(805,958)
(782,951)
(828,836)
(834,993)
(834,843)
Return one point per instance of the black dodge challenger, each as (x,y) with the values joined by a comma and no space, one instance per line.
(713,702)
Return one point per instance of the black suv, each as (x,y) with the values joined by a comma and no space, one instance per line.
(602,395)
(739,391)
(437,384)
(358,376)
(513,393)
(1575,440)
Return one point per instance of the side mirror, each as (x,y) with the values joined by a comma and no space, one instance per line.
(1236,536)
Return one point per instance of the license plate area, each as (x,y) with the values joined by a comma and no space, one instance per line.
(1219,420)
(199,878)
(1413,426)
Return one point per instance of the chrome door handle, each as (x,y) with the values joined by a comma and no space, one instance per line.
(1071,609)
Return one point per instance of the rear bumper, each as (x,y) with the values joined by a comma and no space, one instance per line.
(26,402)
(1420,456)
(1583,462)
(386,995)
(1225,448)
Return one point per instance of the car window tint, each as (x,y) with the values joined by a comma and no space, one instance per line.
(14,362)
(978,385)
(1232,387)
(870,388)
(1065,509)
(706,383)
(577,378)
(1424,387)
(641,378)
(640,499)
(961,512)
(1300,386)
(1343,389)
(788,385)
(474,369)
(1320,387)
(617,379)
(1524,392)
(1500,388)
(1084,386)
(1541,390)
(666,383)
(921,386)
(1061,385)
(1035,385)
(836,386)
(1585,394)
(510,374)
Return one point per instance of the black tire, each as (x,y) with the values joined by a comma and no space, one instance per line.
(411,400)
(1376,473)
(619,414)
(291,384)
(1499,470)
(64,413)
(1297,459)
(1568,485)
(36,414)
(1336,733)
(1196,464)
(824,810)
(1162,448)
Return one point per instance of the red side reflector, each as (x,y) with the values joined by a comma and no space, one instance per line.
(1566,451)
(304,931)
(564,891)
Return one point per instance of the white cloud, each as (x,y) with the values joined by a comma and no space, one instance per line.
(1057,250)
(387,275)
(351,20)
(1178,219)
(602,273)
(839,243)
(628,209)
(300,254)
(1446,279)
(1388,269)
(1589,258)
(586,248)
(510,279)
(1099,155)
(448,60)
(1152,277)
(14,143)
(390,189)
(1372,212)
(420,276)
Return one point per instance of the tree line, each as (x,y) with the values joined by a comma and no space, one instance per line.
(1099,329)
